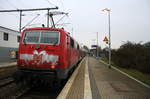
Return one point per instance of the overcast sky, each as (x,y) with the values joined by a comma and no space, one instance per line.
(130,19)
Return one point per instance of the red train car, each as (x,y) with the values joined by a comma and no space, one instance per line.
(46,53)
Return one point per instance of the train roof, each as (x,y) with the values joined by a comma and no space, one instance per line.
(44,28)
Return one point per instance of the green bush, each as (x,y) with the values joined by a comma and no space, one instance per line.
(132,55)
(143,60)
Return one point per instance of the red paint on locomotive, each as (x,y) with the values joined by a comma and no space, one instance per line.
(47,50)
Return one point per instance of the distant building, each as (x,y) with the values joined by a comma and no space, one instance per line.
(9,41)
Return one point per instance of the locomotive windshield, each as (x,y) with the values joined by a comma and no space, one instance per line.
(41,37)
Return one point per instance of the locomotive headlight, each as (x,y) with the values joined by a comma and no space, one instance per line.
(53,66)
(54,61)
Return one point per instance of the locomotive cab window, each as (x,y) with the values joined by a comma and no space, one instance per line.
(41,37)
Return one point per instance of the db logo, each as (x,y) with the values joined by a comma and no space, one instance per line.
(38,56)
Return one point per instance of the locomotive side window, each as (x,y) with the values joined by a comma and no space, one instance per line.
(71,43)
(78,46)
(67,39)
(41,37)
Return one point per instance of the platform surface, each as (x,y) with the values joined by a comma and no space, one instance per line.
(7,64)
(94,80)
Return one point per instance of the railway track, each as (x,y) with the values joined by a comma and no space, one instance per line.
(43,92)
(6,81)
(19,93)
(7,84)
(6,72)
(9,89)
(40,93)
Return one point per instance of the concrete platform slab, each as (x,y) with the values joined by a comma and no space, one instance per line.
(103,83)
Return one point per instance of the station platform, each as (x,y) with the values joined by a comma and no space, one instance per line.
(92,79)
(7,64)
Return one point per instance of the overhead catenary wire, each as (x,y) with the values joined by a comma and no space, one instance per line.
(30,21)
(34,24)
(50,3)
(29,9)
(61,18)
(10,13)
(21,10)
(63,23)
(30,14)
(62,5)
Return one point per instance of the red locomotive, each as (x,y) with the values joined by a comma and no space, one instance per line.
(46,53)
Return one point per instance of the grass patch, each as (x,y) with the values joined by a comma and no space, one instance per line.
(145,78)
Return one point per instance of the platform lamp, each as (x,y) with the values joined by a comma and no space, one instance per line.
(109,42)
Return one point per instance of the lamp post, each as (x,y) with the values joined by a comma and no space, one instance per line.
(109,41)
(97,46)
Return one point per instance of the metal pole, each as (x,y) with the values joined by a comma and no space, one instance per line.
(21,10)
(97,45)
(52,21)
(109,39)
(29,9)
(20,21)
(48,18)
